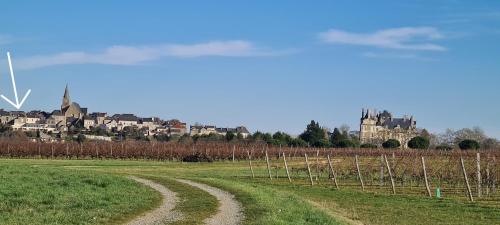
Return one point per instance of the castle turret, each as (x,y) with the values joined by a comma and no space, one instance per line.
(412,122)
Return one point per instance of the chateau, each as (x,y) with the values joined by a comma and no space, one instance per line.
(377,127)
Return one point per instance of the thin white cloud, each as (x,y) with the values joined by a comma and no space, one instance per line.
(133,55)
(404,38)
(393,55)
(228,49)
(387,55)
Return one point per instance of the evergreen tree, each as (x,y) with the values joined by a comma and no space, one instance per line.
(419,142)
(297,142)
(281,139)
(468,144)
(341,139)
(336,137)
(391,143)
(314,135)
(230,136)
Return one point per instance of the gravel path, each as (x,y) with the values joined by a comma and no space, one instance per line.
(230,211)
(162,214)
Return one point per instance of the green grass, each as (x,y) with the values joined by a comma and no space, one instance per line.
(41,195)
(376,208)
(278,202)
(266,205)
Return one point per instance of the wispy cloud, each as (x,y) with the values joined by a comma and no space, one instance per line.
(133,55)
(388,55)
(405,38)
(393,55)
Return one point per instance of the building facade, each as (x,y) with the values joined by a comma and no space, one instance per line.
(378,127)
(207,130)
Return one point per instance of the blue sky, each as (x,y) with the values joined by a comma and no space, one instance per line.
(269,66)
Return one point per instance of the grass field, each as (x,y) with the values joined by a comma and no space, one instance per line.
(264,201)
(31,194)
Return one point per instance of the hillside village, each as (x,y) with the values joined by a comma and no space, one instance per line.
(73,122)
(72,119)
(376,129)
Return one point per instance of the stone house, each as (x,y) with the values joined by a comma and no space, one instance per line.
(58,120)
(238,130)
(89,122)
(176,127)
(126,120)
(110,124)
(151,123)
(202,130)
(99,117)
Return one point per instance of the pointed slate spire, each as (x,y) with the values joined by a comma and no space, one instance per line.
(66,99)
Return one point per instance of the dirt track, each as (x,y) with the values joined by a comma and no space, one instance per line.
(162,214)
(230,211)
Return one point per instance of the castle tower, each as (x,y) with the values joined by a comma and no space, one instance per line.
(367,126)
(66,102)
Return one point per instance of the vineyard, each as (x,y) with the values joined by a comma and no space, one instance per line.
(470,175)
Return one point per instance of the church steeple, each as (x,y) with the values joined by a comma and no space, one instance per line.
(66,102)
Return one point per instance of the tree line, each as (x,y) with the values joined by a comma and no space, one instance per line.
(317,136)
(314,135)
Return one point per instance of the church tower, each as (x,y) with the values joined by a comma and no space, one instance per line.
(66,102)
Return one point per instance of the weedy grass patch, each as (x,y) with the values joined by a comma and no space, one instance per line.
(43,195)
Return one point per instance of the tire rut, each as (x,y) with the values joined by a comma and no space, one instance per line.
(165,212)
(230,211)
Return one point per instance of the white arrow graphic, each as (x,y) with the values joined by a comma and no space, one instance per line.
(18,104)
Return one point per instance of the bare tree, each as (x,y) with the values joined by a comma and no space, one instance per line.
(446,138)
(476,133)
(490,143)
(344,129)
(452,138)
